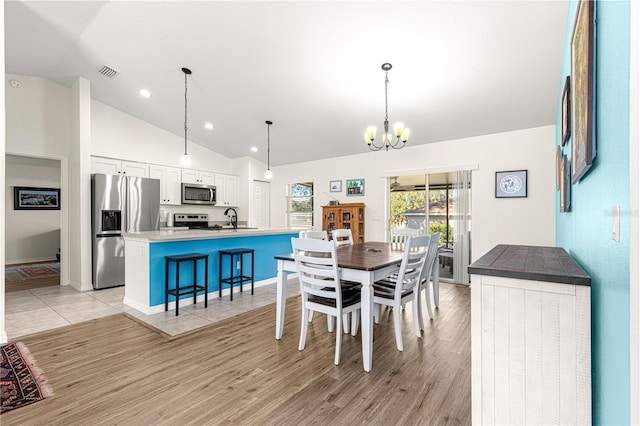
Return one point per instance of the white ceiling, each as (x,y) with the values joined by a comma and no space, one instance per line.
(460,69)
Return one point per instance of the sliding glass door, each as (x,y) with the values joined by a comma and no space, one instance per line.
(433,203)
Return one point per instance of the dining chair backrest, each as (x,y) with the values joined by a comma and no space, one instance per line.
(432,255)
(342,237)
(413,262)
(317,265)
(400,235)
(318,235)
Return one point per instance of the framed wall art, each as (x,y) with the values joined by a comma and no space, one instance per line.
(30,198)
(565,185)
(583,146)
(335,186)
(511,184)
(558,167)
(566,111)
(355,187)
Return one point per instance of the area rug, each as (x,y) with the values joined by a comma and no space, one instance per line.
(34,270)
(21,381)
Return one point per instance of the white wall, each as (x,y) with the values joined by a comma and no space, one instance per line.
(118,135)
(528,220)
(37,117)
(30,236)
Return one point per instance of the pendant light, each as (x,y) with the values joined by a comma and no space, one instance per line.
(268,173)
(401,134)
(185,160)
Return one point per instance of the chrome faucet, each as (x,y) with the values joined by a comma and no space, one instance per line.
(233,218)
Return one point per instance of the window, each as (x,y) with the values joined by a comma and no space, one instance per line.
(300,205)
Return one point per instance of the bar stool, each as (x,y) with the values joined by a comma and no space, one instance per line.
(194,288)
(235,279)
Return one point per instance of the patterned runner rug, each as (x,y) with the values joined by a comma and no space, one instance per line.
(35,270)
(21,381)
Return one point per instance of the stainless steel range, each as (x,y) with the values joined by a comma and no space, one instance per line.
(194,221)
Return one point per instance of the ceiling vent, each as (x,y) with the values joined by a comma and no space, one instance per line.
(108,72)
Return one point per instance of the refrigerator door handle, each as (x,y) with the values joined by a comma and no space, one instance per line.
(108,235)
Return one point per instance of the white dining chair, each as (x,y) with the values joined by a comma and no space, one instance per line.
(318,235)
(426,279)
(321,287)
(342,237)
(400,235)
(405,288)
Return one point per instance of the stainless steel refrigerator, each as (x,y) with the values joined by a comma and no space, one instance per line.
(119,204)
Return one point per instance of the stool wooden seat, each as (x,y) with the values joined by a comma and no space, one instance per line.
(194,288)
(236,279)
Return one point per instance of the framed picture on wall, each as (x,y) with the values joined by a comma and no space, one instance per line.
(355,187)
(565,185)
(511,184)
(583,147)
(566,111)
(335,186)
(30,198)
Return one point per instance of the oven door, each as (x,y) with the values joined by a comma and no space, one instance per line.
(198,194)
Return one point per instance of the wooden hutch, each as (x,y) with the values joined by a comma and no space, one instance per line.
(347,216)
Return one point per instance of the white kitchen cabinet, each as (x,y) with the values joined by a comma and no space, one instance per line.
(113,166)
(170,180)
(226,190)
(198,176)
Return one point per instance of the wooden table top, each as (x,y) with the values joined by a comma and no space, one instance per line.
(367,256)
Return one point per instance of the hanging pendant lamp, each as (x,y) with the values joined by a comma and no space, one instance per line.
(401,134)
(185,160)
(268,173)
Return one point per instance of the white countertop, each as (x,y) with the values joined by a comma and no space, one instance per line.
(201,234)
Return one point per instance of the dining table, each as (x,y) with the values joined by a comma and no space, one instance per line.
(365,263)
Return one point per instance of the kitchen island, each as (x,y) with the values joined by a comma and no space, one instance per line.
(145,254)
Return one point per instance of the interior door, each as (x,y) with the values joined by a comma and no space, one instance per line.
(261,204)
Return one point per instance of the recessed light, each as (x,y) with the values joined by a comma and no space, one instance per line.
(208,125)
(15,84)
(145,93)
(254,149)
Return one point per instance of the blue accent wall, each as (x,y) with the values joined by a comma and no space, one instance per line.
(585,232)
(265,246)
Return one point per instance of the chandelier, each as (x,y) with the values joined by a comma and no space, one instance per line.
(185,160)
(388,141)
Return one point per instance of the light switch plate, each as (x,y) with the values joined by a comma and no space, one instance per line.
(615,213)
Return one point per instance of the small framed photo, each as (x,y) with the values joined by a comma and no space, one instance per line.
(335,186)
(565,185)
(511,184)
(29,198)
(355,187)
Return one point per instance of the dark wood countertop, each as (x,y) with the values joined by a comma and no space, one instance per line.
(550,264)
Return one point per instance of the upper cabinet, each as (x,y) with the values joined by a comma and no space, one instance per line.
(198,176)
(170,179)
(226,190)
(118,167)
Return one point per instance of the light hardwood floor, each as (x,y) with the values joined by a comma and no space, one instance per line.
(114,370)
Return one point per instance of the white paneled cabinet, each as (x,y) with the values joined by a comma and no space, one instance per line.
(198,176)
(112,166)
(170,180)
(530,338)
(226,190)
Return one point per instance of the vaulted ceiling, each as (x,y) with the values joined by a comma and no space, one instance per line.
(460,69)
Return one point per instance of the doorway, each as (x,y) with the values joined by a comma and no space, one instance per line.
(32,237)
(436,202)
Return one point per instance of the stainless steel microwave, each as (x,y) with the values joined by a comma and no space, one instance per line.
(197,193)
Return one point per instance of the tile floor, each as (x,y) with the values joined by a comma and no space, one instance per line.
(40,309)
